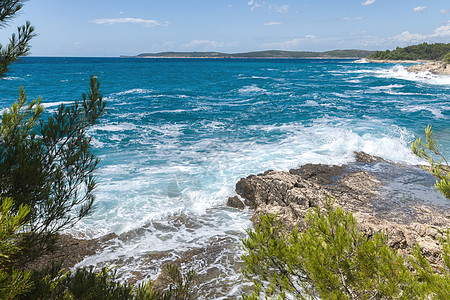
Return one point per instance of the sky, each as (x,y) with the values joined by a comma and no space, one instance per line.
(113,27)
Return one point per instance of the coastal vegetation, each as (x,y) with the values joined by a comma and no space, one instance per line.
(430,152)
(47,164)
(331,259)
(424,51)
(264,54)
(19,43)
(447,58)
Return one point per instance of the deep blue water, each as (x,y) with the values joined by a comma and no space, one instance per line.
(179,133)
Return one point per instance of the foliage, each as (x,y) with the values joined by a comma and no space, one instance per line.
(332,260)
(438,283)
(421,51)
(447,58)
(430,152)
(18,44)
(47,164)
(85,283)
(12,282)
(180,287)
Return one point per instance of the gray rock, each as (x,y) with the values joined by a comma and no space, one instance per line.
(292,194)
(235,202)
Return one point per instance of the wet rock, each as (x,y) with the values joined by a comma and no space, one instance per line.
(319,173)
(70,251)
(363,157)
(235,202)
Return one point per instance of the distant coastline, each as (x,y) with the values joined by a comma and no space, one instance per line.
(274,54)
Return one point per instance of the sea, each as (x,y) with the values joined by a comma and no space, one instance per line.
(178,134)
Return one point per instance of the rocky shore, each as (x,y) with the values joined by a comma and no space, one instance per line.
(434,67)
(292,194)
(359,187)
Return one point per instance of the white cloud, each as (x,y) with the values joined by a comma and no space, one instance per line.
(310,36)
(254,4)
(407,37)
(442,31)
(368,2)
(352,19)
(272,23)
(143,22)
(279,8)
(420,9)
(445,11)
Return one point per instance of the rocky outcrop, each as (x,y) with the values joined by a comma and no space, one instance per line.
(69,251)
(292,194)
(434,67)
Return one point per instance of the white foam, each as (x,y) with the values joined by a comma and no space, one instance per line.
(52,104)
(399,72)
(11,78)
(133,91)
(435,110)
(251,89)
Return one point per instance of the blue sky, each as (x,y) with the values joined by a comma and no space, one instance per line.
(113,28)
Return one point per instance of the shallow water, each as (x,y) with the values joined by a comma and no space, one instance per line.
(179,133)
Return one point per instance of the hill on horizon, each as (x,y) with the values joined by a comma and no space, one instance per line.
(353,53)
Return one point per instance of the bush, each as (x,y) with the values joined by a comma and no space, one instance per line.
(47,164)
(332,260)
(19,44)
(86,283)
(430,152)
(12,282)
(447,58)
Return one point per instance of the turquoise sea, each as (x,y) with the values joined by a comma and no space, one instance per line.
(179,133)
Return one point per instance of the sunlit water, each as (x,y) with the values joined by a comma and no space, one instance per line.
(179,133)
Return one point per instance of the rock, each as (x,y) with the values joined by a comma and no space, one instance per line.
(367,158)
(70,251)
(235,202)
(434,67)
(321,174)
(291,195)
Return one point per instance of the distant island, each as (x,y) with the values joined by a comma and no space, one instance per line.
(261,54)
(423,51)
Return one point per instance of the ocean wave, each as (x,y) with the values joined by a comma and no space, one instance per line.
(133,91)
(435,110)
(399,72)
(11,78)
(250,89)
(52,104)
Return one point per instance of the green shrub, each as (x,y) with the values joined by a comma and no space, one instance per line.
(47,163)
(447,58)
(19,44)
(430,152)
(12,282)
(332,260)
(86,283)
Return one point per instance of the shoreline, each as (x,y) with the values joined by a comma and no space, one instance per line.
(234,57)
(432,66)
(354,186)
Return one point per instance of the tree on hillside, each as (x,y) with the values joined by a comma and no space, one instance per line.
(19,44)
